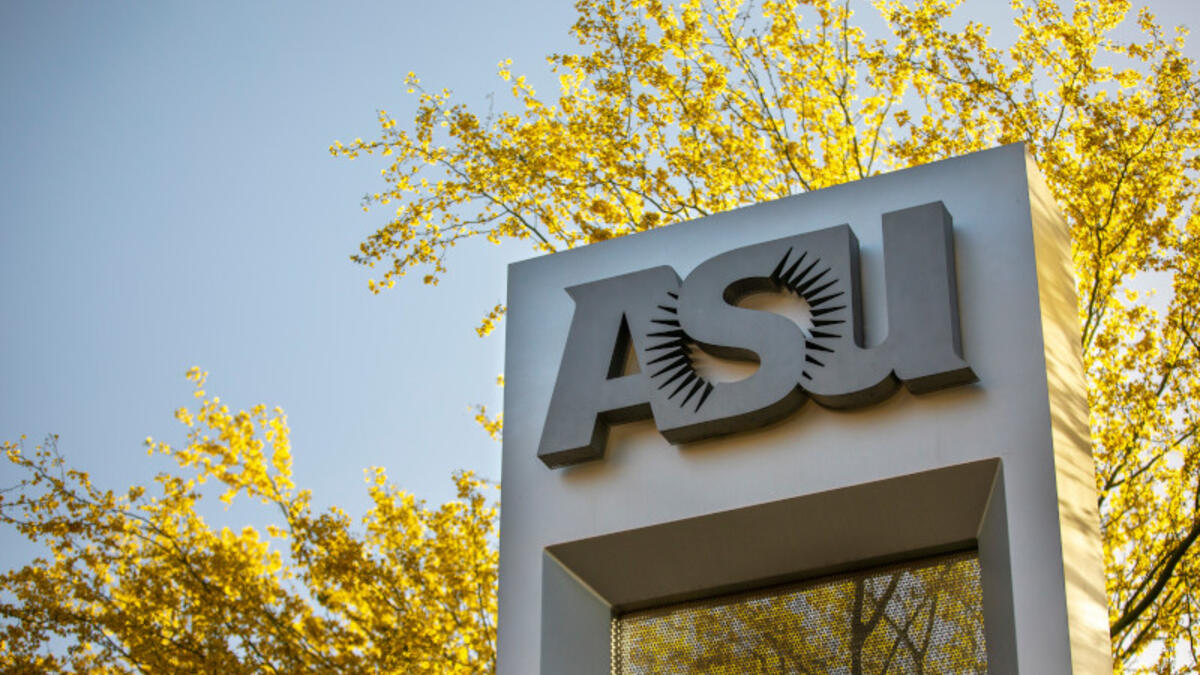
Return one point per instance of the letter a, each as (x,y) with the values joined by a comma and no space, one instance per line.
(611,317)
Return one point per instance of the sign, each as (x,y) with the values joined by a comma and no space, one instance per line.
(662,319)
(644,327)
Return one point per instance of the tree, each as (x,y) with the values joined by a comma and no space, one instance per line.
(668,113)
(139,583)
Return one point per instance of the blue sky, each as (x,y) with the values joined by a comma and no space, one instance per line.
(167,200)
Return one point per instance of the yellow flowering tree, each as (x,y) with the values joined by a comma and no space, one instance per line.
(138,582)
(671,112)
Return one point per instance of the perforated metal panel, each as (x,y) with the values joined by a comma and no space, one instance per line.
(921,617)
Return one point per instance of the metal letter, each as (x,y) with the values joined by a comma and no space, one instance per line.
(923,349)
(611,316)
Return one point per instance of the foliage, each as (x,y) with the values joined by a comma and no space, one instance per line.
(141,583)
(670,112)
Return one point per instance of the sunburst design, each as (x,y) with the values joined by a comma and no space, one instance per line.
(811,282)
(674,342)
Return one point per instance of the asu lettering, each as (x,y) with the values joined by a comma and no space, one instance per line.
(662,318)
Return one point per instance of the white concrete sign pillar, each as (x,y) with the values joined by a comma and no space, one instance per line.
(933,401)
